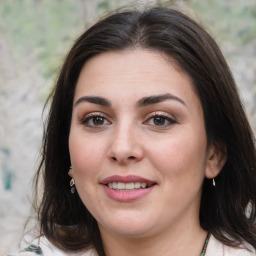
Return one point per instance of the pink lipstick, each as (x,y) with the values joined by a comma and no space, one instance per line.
(127,188)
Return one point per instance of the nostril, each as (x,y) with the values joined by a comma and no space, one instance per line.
(114,158)
(120,159)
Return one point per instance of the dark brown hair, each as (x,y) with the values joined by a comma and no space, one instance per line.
(228,210)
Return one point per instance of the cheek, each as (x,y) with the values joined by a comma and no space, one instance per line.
(85,157)
(180,158)
(85,153)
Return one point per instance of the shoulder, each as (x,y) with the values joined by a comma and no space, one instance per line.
(215,247)
(43,247)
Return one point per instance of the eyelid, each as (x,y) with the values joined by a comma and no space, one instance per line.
(161,113)
(91,114)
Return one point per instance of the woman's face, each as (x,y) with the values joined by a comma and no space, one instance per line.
(138,144)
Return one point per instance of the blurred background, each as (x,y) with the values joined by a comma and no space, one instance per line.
(35,36)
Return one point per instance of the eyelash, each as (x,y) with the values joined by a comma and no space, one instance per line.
(165,117)
(152,117)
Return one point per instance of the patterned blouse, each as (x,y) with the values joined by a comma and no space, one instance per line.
(214,248)
(30,251)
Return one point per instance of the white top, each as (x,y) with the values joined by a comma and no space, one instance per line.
(214,248)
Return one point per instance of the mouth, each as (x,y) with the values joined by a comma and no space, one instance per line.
(121,186)
(127,183)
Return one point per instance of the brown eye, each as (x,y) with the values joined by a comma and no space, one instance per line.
(95,120)
(159,120)
(98,120)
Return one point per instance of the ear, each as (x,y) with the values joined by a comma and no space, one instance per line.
(216,158)
(70,172)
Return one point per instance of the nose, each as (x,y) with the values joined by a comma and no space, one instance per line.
(125,146)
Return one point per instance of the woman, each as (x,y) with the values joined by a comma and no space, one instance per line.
(147,128)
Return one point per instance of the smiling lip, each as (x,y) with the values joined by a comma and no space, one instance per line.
(127,195)
(126,179)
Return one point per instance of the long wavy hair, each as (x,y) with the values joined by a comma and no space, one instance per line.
(228,210)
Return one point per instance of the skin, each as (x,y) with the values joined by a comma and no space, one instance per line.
(127,139)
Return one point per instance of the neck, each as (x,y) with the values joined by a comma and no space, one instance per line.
(188,241)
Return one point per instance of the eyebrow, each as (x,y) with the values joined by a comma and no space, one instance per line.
(95,100)
(154,99)
(145,101)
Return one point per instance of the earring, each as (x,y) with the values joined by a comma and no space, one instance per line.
(72,185)
(213,182)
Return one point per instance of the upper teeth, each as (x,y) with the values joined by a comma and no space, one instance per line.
(130,185)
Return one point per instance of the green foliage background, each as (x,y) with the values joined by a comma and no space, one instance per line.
(41,31)
(231,20)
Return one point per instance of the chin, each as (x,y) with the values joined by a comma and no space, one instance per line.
(128,227)
(130,232)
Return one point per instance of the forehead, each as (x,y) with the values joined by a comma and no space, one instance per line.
(132,72)
(130,62)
